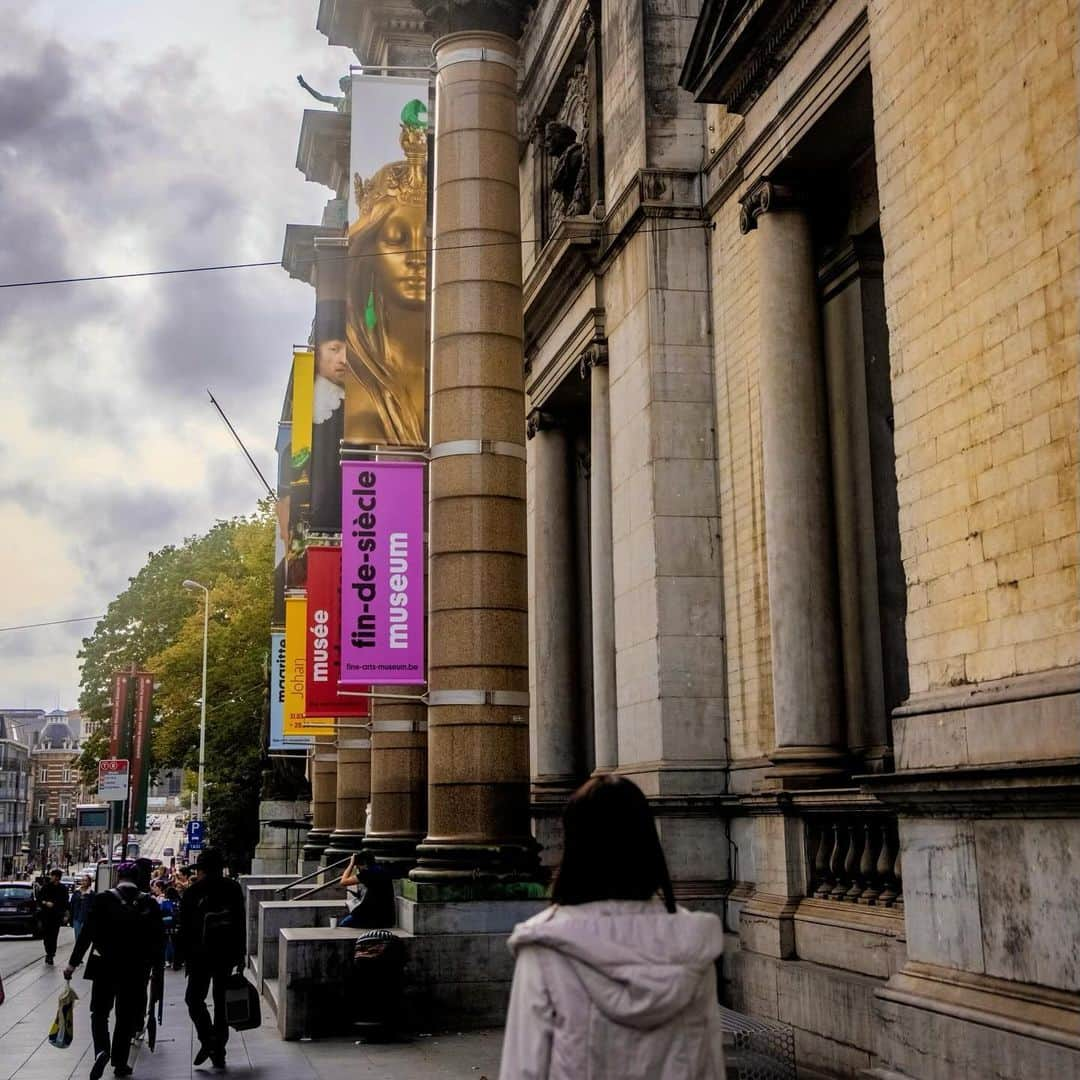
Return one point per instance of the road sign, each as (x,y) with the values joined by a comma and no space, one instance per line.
(194,835)
(112,779)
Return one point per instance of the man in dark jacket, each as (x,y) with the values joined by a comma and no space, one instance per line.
(123,928)
(54,907)
(212,939)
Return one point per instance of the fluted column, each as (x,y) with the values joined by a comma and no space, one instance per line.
(601,561)
(323,765)
(795,454)
(557,741)
(398,782)
(352,792)
(478,767)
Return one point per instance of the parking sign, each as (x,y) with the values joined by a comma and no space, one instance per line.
(195,835)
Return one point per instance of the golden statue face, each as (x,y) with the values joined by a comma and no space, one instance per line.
(401,265)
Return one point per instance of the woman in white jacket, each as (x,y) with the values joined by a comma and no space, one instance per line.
(611,980)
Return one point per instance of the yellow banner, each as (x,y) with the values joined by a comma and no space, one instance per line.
(296,721)
(303,393)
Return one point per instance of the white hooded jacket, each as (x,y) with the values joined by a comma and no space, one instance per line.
(615,988)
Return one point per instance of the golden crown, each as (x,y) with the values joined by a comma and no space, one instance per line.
(402,181)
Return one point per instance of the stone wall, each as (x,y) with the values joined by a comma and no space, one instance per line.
(976,128)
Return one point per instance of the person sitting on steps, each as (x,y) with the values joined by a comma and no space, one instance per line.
(369,894)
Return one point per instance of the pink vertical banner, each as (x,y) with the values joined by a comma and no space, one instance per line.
(382,572)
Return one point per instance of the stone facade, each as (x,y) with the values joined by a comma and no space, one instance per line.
(799,287)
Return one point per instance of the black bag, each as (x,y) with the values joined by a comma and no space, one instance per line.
(242,1009)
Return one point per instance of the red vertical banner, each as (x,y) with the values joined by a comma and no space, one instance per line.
(323,632)
(140,756)
(118,736)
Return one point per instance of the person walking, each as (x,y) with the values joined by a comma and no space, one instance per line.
(613,979)
(54,908)
(212,941)
(81,899)
(124,936)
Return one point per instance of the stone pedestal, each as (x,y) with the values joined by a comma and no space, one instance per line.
(279,839)
(798,533)
(478,809)
(398,783)
(353,792)
(323,771)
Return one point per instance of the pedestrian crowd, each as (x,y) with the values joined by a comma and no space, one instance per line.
(612,979)
(188,918)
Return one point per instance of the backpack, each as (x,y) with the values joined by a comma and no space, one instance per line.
(133,923)
(219,929)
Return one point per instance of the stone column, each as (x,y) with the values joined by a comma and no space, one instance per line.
(478,763)
(398,782)
(795,454)
(323,764)
(352,793)
(557,760)
(601,561)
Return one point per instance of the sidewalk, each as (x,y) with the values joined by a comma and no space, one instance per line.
(25,1052)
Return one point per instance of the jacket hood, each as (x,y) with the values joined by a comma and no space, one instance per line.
(640,964)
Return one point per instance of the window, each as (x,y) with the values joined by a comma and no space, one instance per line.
(43,774)
(67,775)
(65,808)
(41,808)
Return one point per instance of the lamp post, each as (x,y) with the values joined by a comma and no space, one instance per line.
(193,585)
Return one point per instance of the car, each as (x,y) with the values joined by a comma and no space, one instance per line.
(168,853)
(20,912)
(155,827)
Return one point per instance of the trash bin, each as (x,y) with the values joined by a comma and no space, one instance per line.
(377,985)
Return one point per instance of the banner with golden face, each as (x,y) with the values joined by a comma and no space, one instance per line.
(386,303)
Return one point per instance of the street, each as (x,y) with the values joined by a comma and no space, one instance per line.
(154,843)
(32,989)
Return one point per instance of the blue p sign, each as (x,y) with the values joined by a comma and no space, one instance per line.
(195,836)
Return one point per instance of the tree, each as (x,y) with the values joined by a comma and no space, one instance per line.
(158,625)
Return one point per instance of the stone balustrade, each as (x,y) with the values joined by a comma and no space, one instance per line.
(855,859)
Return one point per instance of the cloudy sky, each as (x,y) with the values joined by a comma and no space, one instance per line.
(139,135)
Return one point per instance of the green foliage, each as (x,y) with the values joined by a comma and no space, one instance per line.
(158,624)
(95,747)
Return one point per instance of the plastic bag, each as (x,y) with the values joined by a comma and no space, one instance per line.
(62,1031)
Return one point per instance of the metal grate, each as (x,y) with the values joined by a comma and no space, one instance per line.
(756,1049)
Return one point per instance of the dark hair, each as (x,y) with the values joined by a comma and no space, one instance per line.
(611,850)
(210,861)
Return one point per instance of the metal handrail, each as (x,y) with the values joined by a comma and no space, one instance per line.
(313,874)
(318,888)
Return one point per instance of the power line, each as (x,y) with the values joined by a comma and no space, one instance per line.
(277,262)
(55,622)
(240,442)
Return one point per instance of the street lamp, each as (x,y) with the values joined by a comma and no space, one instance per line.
(193,585)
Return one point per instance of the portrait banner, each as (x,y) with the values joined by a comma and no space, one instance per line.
(324,639)
(382,573)
(331,373)
(278,740)
(386,284)
(296,721)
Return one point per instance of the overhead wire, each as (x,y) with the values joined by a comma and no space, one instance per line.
(426,250)
(53,622)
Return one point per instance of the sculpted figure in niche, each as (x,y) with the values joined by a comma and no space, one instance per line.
(342,103)
(385,333)
(567,173)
